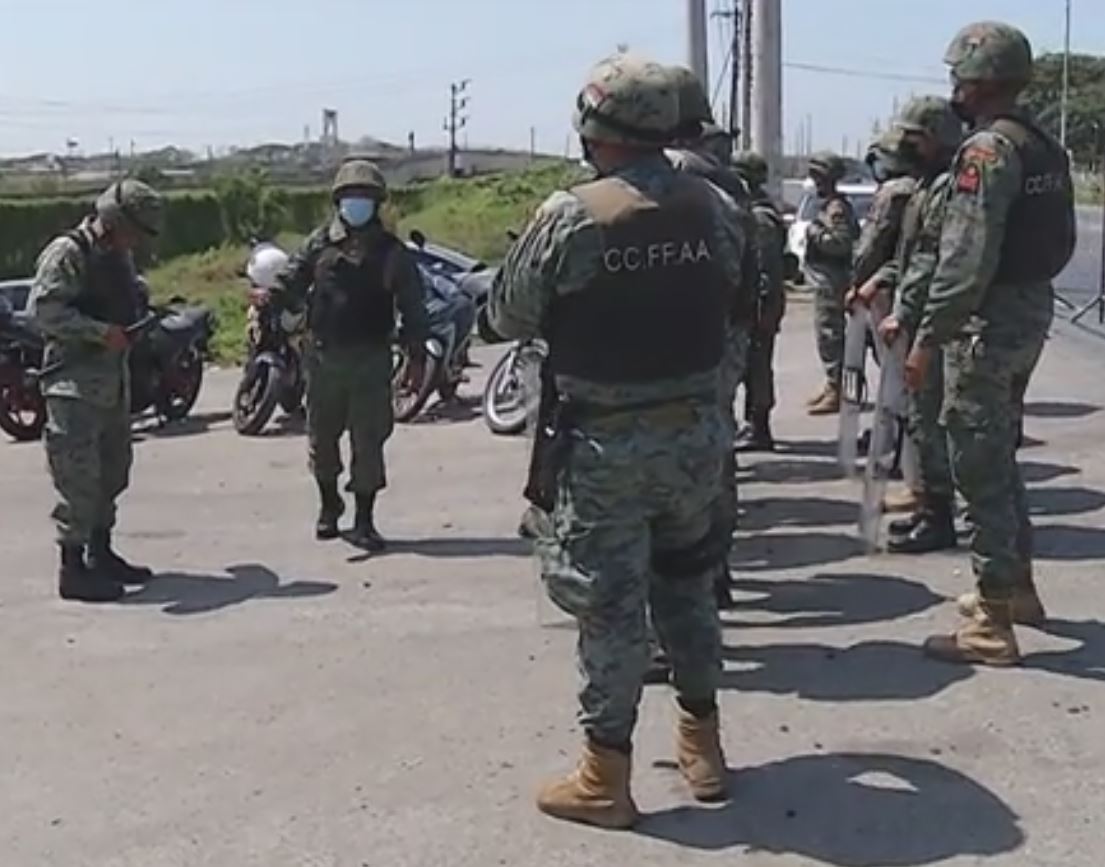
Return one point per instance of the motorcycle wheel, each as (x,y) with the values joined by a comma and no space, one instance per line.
(504,398)
(406,404)
(291,397)
(256,398)
(22,412)
(182,387)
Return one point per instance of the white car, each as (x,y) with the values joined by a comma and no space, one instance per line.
(860,195)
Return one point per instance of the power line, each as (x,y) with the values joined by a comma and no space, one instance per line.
(863,73)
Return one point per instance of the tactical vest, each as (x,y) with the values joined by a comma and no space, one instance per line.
(656,307)
(1040,231)
(351,303)
(109,288)
(814,254)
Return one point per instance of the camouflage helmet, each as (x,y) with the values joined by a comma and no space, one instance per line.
(695,114)
(932,116)
(628,100)
(134,203)
(752,167)
(827,164)
(990,51)
(362,174)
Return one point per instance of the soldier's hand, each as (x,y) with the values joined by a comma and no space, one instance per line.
(889,329)
(916,367)
(116,339)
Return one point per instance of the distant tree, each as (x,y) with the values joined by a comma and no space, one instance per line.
(152,175)
(251,207)
(1086,106)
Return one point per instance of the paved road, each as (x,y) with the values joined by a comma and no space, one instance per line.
(274,702)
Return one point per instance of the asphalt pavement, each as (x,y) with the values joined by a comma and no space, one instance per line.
(273,701)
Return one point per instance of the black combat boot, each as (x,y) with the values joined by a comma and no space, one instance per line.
(330,512)
(934,532)
(905,526)
(723,591)
(757,436)
(105,563)
(79,584)
(365,534)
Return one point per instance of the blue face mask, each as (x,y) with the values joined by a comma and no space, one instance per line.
(357,212)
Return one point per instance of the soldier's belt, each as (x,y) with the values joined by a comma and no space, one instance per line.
(674,411)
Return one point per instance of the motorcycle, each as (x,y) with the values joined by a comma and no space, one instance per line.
(273,374)
(22,407)
(514,387)
(168,349)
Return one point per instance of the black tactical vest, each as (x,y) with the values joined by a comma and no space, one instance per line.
(109,289)
(1040,231)
(657,308)
(351,303)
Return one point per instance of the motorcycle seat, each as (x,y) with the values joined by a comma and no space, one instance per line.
(187,319)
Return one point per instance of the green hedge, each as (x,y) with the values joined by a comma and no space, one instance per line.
(194,221)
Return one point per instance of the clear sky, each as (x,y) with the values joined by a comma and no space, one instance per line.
(222,72)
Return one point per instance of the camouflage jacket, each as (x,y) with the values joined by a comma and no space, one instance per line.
(400,274)
(830,241)
(771,242)
(561,251)
(84,367)
(878,240)
(964,297)
(919,250)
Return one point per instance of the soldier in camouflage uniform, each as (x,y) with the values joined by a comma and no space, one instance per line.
(644,257)
(878,240)
(85,296)
(830,240)
(357,273)
(1009,228)
(929,132)
(771,239)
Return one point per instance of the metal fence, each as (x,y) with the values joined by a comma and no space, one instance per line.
(1080,286)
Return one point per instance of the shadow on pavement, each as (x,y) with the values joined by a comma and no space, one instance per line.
(849,809)
(461,409)
(767,513)
(287,425)
(792,472)
(1087,661)
(1064,501)
(830,600)
(1061,542)
(182,593)
(507,546)
(792,550)
(871,671)
(1059,409)
(1035,472)
(807,448)
(197,423)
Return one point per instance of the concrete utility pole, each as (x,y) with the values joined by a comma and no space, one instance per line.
(696,41)
(748,72)
(767,86)
(1066,83)
(456,120)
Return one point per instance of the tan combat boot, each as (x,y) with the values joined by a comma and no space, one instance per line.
(595,793)
(818,396)
(828,404)
(986,639)
(1025,606)
(698,751)
(905,500)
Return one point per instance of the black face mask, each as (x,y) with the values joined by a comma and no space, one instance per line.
(962,112)
(588,154)
(880,171)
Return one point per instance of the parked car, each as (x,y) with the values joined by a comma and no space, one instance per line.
(861,195)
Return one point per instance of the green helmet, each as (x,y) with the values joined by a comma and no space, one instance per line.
(359,173)
(695,114)
(752,167)
(990,51)
(628,100)
(827,164)
(134,203)
(932,116)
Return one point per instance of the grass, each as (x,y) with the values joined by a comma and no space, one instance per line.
(472,215)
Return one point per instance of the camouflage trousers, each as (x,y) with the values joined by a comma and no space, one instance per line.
(88,448)
(828,317)
(930,437)
(985,382)
(759,379)
(349,389)
(632,525)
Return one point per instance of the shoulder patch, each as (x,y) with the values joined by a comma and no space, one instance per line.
(980,153)
(836,210)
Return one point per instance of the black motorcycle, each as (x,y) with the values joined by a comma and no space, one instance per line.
(22,407)
(168,349)
(273,374)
